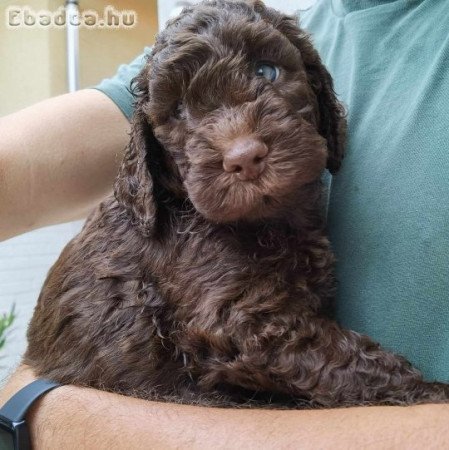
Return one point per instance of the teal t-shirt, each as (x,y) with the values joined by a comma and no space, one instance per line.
(389,205)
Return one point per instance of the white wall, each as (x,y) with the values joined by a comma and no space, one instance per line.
(289,6)
(24,263)
(166,8)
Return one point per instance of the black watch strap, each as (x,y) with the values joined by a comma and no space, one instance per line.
(17,406)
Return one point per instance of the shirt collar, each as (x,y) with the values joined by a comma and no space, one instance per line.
(343,7)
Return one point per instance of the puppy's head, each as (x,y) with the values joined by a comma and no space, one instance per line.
(236,114)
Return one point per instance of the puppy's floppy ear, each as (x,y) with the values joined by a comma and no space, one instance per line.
(331,120)
(134,185)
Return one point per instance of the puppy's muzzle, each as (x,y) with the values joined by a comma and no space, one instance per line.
(245,157)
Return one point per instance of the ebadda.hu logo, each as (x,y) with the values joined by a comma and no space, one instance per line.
(27,17)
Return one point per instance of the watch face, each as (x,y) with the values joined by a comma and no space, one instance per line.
(6,437)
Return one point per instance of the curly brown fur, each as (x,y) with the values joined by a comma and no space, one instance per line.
(193,285)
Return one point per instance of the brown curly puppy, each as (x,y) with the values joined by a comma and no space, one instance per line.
(206,278)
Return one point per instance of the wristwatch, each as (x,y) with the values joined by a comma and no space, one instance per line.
(13,428)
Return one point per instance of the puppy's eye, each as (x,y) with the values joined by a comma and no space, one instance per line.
(267,70)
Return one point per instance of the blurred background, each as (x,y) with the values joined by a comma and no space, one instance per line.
(34,66)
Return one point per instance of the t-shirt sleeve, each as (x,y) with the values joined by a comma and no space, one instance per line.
(118,88)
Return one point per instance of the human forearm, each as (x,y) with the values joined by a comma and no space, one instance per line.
(58,159)
(72,417)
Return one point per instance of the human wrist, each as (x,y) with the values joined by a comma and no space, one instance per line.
(21,377)
(49,415)
(21,394)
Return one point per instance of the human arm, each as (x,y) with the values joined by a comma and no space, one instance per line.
(58,159)
(72,417)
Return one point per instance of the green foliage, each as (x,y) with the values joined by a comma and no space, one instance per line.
(6,320)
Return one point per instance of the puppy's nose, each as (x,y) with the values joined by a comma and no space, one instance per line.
(245,158)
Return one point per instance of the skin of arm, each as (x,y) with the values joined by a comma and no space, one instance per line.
(58,159)
(78,418)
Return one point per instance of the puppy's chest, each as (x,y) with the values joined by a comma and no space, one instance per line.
(214,276)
